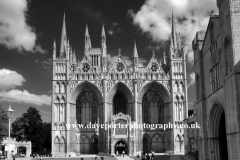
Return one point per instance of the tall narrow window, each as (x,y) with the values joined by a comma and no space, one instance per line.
(152,107)
(86,108)
(119,102)
(145,111)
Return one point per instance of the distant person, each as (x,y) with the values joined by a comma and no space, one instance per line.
(138,156)
(152,156)
(123,153)
(147,156)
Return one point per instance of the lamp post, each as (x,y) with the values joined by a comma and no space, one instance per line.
(10,113)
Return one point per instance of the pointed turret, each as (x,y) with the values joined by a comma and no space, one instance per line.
(63,40)
(103,32)
(87,40)
(135,53)
(54,49)
(103,41)
(164,58)
(135,57)
(179,42)
(173,34)
(74,58)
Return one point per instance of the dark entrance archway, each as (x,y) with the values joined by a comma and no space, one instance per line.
(145,144)
(223,150)
(95,146)
(218,136)
(120,146)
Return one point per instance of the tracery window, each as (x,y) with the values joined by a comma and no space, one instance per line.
(85,67)
(86,108)
(152,108)
(119,102)
(120,67)
(154,67)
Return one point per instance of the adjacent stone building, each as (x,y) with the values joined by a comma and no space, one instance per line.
(217,68)
(24,147)
(87,91)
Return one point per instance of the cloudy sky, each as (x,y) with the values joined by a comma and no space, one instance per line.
(28,28)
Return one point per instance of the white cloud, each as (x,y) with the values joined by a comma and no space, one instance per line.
(192,79)
(112,59)
(18,96)
(47,64)
(15,33)
(191,16)
(9,79)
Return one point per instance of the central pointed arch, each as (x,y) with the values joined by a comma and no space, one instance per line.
(120,87)
(157,87)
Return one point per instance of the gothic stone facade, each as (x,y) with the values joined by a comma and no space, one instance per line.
(87,91)
(217,68)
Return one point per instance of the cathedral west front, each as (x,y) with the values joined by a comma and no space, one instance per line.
(87,91)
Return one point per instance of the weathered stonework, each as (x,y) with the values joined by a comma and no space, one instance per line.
(216,60)
(88,91)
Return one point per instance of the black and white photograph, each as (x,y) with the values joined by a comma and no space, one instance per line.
(120,79)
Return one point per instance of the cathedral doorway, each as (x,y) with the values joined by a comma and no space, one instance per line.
(95,146)
(120,146)
(119,103)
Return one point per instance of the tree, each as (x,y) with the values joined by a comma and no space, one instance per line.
(30,127)
(3,123)
(47,136)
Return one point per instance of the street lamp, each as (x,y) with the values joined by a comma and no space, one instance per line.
(10,113)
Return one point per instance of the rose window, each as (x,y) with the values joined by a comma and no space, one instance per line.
(85,67)
(154,67)
(120,67)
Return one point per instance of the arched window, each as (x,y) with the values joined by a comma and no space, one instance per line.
(94,111)
(62,88)
(56,144)
(62,145)
(145,111)
(157,143)
(57,86)
(119,102)
(86,109)
(178,143)
(84,144)
(152,108)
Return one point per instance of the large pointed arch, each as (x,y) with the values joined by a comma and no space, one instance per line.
(156,86)
(85,86)
(120,87)
(217,131)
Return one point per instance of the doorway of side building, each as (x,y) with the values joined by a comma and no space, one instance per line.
(120,146)
(223,138)
(218,136)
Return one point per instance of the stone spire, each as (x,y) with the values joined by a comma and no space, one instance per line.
(54,49)
(74,61)
(87,40)
(135,57)
(63,39)
(135,53)
(104,46)
(173,34)
(103,32)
